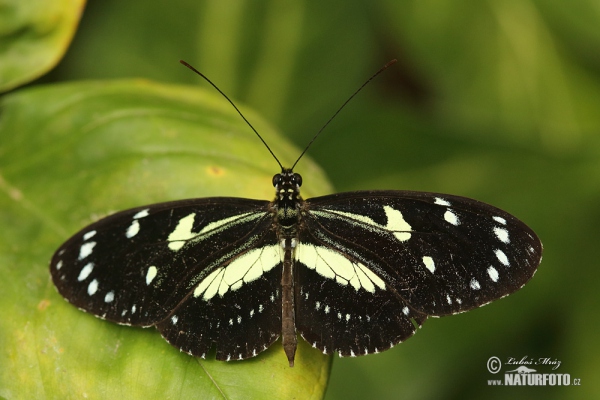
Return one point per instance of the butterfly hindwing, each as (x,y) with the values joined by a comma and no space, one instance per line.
(342,320)
(242,321)
(135,267)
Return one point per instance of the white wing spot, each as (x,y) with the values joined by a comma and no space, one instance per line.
(133,229)
(333,265)
(89,235)
(347,317)
(402,230)
(340,316)
(501,234)
(92,287)
(448,299)
(239,319)
(236,286)
(182,232)
(251,313)
(86,250)
(475,284)
(85,271)
(110,296)
(133,308)
(245,268)
(429,264)
(59,265)
(442,202)
(405,310)
(326,309)
(500,220)
(395,221)
(151,274)
(493,273)
(142,214)
(502,257)
(317,305)
(451,218)
(174,319)
(352,353)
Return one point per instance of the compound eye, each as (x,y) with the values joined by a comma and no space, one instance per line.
(276,179)
(298,179)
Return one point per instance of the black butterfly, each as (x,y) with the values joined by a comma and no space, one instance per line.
(354,273)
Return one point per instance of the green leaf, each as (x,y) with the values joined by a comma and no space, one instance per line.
(70,153)
(34,35)
(511,69)
(288,60)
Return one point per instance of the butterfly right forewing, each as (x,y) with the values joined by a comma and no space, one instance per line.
(136,267)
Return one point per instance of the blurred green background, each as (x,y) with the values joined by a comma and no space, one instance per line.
(495,100)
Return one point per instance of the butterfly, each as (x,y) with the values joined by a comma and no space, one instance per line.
(353,273)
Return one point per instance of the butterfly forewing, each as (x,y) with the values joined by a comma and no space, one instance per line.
(137,266)
(444,254)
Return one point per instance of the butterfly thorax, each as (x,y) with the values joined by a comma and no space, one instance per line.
(287,201)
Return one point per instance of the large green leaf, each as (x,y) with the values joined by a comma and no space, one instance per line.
(34,35)
(70,153)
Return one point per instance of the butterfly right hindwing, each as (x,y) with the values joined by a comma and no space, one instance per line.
(241,320)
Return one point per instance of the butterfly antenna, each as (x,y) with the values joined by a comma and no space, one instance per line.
(344,105)
(236,109)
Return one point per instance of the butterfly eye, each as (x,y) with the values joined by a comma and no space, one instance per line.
(276,180)
(297,180)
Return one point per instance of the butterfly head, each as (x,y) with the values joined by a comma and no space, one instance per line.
(287,185)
